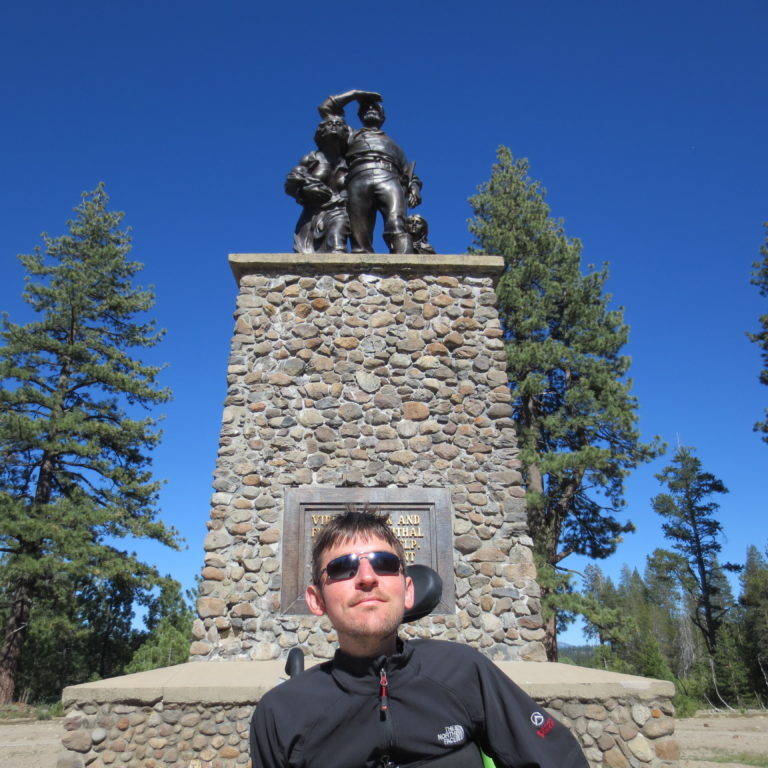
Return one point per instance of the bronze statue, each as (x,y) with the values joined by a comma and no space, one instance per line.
(317,183)
(352,175)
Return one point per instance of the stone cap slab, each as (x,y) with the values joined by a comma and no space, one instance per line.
(202,682)
(245,682)
(546,680)
(441,263)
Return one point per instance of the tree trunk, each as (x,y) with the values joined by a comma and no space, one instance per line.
(539,528)
(21,605)
(550,638)
(550,587)
(13,642)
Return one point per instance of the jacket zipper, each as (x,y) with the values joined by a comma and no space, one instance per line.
(386,761)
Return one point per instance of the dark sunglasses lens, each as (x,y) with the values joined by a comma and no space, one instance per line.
(384,562)
(344,567)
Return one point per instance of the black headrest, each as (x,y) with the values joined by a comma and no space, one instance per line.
(428,589)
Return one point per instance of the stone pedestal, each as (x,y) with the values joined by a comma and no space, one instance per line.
(381,376)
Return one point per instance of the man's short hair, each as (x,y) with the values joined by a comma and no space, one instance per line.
(349,525)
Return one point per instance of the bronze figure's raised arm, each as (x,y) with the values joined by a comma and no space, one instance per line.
(334,105)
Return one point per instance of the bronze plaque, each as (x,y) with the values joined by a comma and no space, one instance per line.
(420,517)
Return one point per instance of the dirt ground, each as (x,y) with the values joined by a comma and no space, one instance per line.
(707,736)
(36,744)
(30,743)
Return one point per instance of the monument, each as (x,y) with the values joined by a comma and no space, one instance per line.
(364,379)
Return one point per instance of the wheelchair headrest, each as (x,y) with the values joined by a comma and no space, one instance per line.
(428,589)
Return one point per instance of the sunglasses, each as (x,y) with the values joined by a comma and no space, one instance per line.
(346,566)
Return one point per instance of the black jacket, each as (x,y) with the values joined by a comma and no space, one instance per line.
(437,697)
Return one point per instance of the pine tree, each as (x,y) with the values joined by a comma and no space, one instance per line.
(96,619)
(754,602)
(671,625)
(695,536)
(730,669)
(47,664)
(645,620)
(575,417)
(169,622)
(74,447)
(760,279)
(609,621)
(649,660)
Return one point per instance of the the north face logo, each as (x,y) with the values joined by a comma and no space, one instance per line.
(453,734)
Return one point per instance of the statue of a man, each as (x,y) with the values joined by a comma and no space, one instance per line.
(318,184)
(378,177)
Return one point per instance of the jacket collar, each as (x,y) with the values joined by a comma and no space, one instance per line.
(362,674)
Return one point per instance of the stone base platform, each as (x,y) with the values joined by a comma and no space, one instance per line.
(196,715)
(468,264)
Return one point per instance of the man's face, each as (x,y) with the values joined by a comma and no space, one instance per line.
(367,609)
(372,115)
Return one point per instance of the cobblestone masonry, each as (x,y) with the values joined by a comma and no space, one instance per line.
(380,379)
(614,733)
(620,732)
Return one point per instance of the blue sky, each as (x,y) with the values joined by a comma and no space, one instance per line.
(646,123)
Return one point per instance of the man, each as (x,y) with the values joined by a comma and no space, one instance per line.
(383,702)
(379,177)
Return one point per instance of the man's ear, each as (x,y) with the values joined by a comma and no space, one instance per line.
(314,597)
(410,595)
